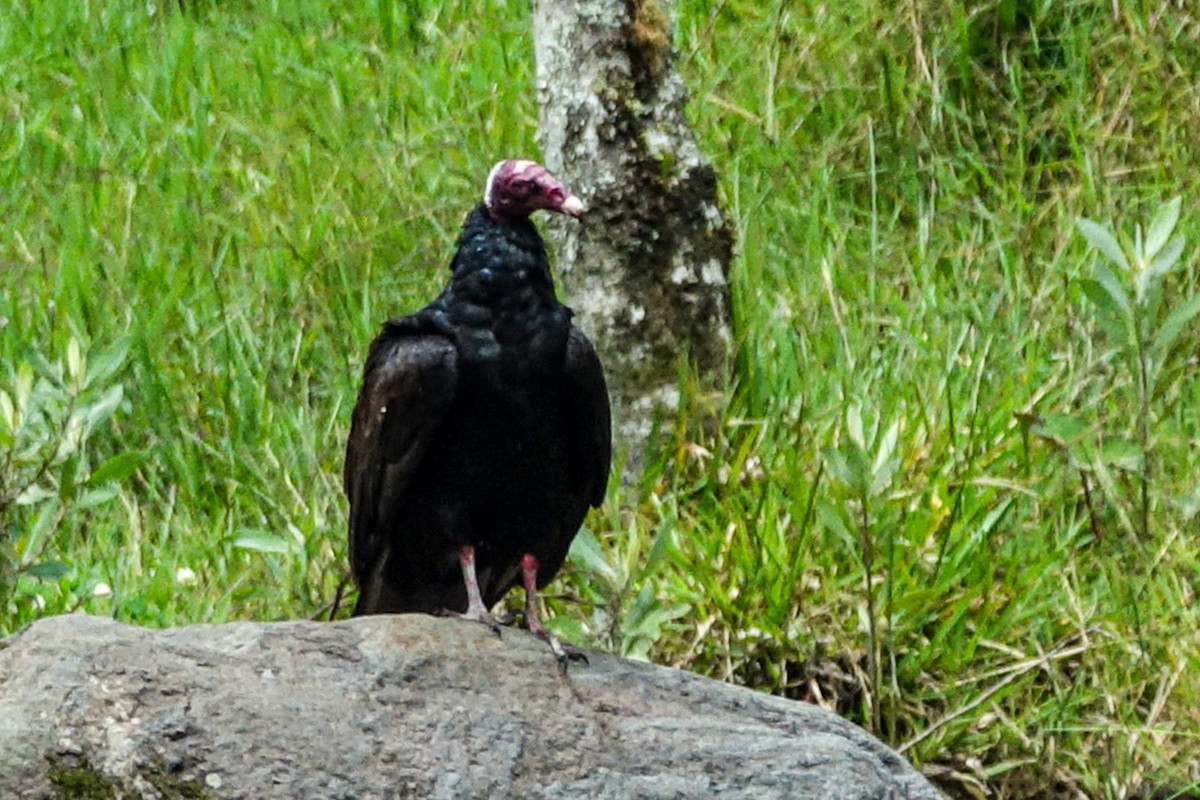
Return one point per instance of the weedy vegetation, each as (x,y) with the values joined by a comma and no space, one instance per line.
(951,491)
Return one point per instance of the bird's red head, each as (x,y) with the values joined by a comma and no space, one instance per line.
(517,188)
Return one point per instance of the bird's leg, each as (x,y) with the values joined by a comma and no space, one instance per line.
(476,610)
(529,568)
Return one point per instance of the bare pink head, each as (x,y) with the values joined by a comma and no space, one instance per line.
(516,188)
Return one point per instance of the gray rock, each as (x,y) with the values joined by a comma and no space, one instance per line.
(397,707)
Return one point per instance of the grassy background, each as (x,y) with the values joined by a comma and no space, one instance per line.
(213,210)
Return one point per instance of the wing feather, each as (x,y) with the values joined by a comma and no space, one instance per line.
(408,384)
(591,426)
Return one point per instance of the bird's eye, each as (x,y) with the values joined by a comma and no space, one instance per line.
(522,185)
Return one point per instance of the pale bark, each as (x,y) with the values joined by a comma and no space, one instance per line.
(646,269)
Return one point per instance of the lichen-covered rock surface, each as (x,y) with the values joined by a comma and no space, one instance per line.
(398,707)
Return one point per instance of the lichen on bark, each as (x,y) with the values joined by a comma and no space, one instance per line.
(646,269)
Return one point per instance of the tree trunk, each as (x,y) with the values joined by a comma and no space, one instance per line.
(646,270)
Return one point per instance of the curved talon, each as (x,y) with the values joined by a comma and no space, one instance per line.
(507,619)
(566,655)
(484,618)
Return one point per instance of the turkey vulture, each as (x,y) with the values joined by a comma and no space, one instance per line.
(482,432)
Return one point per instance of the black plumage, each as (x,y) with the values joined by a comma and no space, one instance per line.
(482,432)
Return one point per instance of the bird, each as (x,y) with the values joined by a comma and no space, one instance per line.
(482,433)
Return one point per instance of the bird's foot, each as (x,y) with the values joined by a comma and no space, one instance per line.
(483,616)
(563,653)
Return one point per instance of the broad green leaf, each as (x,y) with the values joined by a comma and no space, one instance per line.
(94,497)
(884,466)
(651,623)
(586,552)
(663,540)
(8,412)
(23,386)
(99,412)
(103,365)
(49,570)
(854,425)
(848,466)
(261,541)
(1150,297)
(881,476)
(1161,226)
(66,477)
(1117,325)
(34,494)
(117,468)
(38,363)
(1188,504)
(1166,260)
(641,606)
(1113,288)
(1101,239)
(1060,428)
(832,520)
(1122,454)
(567,629)
(1174,324)
(30,545)
(74,361)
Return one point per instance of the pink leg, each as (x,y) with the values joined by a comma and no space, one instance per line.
(529,568)
(476,610)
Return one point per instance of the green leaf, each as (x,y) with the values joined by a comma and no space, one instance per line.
(261,541)
(49,570)
(1167,260)
(1122,454)
(23,386)
(66,478)
(94,497)
(43,368)
(586,552)
(8,412)
(832,520)
(567,629)
(663,539)
(34,494)
(1161,226)
(884,466)
(74,361)
(1174,324)
(117,468)
(1060,426)
(103,408)
(1065,431)
(854,425)
(1113,288)
(103,365)
(848,467)
(30,545)
(1114,318)
(1101,239)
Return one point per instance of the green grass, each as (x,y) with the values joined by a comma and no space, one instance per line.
(219,206)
